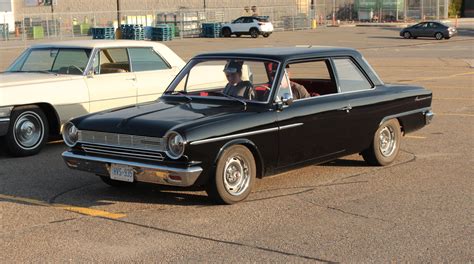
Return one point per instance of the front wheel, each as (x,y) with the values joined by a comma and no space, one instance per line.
(234,176)
(254,33)
(385,145)
(407,35)
(28,131)
(226,32)
(439,36)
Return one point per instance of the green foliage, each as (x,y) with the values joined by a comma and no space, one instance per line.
(455,8)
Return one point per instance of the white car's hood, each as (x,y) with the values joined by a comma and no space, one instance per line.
(24,78)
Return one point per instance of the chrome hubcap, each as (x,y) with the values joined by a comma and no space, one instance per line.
(387,141)
(28,130)
(236,176)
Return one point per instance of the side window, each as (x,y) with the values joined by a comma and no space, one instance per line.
(312,78)
(71,61)
(350,77)
(146,59)
(113,61)
(248,20)
(239,20)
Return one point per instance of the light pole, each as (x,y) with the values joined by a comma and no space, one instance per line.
(333,12)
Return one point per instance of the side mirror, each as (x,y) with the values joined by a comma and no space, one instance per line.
(287,99)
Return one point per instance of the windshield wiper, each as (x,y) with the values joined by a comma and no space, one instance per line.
(183,93)
(234,98)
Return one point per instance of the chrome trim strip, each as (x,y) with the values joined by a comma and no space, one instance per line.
(121,140)
(421,110)
(102,151)
(197,142)
(70,155)
(290,126)
(7,119)
(417,99)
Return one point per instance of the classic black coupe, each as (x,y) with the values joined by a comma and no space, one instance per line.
(230,117)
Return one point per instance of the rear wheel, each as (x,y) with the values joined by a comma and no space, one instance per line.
(28,131)
(234,176)
(385,145)
(407,35)
(254,33)
(226,32)
(439,36)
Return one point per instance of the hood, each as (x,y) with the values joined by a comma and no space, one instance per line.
(155,119)
(24,78)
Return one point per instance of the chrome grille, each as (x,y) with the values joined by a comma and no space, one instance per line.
(121,140)
(122,152)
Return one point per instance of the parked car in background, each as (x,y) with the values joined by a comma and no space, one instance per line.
(248,25)
(221,132)
(431,29)
(51,83)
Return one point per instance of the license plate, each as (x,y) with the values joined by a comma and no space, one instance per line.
(121,172)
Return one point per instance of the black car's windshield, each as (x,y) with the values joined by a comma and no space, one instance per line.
(236,79)
(55,60)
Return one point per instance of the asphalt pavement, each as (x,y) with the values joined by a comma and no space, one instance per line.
(420,209)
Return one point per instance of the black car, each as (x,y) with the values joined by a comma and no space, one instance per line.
(230,117)
(429,29)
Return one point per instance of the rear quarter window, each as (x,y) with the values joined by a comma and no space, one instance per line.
(350,77)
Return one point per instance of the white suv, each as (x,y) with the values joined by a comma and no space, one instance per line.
(248,25)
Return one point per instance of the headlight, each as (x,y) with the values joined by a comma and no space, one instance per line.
(5,111)
(174,145)
(70,134)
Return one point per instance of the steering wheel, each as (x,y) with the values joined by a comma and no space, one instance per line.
(75,67)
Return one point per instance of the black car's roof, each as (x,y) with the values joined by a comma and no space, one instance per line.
(284,53)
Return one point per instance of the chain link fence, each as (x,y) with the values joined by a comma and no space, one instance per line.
(188,22)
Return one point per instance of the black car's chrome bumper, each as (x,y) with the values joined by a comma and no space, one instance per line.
(429,115)
(143,172)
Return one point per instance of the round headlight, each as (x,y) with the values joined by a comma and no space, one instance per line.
(175,145)
(70,134)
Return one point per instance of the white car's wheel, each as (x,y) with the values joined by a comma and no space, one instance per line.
(28,131)
(254,33)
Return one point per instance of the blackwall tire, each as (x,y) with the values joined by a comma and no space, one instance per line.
(234,176)
(407,35)
(254,33)
(385,145)
(28,131)
(439,36)
(226,32)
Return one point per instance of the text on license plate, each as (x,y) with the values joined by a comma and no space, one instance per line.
(121,172)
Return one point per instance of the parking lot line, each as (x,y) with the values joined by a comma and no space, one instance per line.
(438,77)
(454,99)
(415,137)
(70,208)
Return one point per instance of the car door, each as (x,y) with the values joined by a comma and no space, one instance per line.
(416,31)
(111,84)
(311,128)
(152,72)
(238,25)
(363,112)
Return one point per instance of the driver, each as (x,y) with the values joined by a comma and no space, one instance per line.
(235,86)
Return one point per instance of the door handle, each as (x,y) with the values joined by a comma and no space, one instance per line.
(345,108)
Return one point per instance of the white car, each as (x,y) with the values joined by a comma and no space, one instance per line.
(50,83)
(248,25)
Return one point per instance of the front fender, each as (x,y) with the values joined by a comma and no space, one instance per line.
(259,162)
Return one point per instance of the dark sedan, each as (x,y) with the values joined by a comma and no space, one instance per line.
(429,29)
(230,117)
